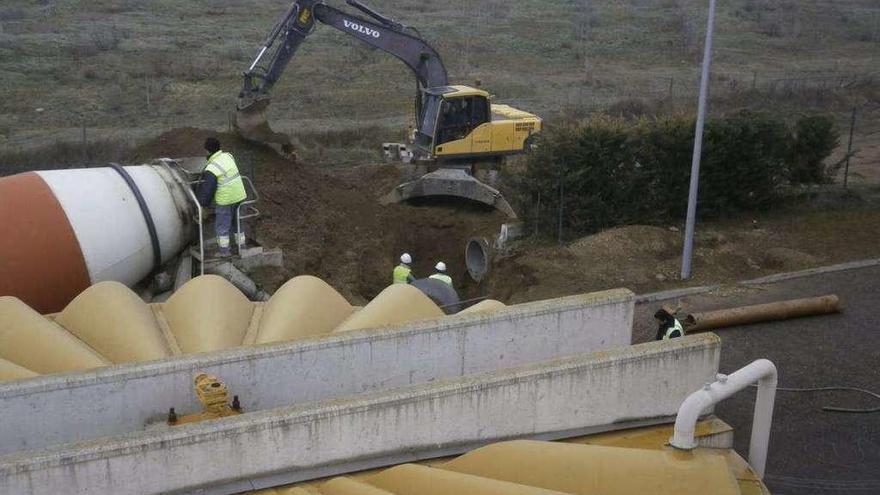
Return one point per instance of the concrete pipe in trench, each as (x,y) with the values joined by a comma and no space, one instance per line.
(478,258)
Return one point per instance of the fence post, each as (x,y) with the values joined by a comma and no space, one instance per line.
(538,215)
(754,80)
(561,202)
(852,127)
(85,142)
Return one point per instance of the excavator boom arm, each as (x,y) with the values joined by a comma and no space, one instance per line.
(292,29)
(415,52)
(281,44)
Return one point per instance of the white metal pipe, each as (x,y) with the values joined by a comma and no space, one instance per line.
(259,56)
(270,40)
(762,372)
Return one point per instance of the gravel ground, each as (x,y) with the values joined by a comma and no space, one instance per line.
(811,451)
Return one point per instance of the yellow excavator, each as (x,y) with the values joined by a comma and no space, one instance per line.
(459,134)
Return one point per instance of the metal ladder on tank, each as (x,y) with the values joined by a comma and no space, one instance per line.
(244,211)
(250,211)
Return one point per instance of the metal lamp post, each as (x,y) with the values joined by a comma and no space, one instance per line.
(698,148)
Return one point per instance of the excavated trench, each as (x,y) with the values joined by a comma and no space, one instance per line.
(330,224)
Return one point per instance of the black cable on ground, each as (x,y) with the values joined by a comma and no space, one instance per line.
(836,389)
(824,484)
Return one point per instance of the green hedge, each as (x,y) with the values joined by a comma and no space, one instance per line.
(608,171)
(814,139)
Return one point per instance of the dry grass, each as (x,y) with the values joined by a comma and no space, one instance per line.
(128,69)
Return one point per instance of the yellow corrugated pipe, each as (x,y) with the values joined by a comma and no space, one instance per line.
(487,306)
(12,371)
(115,322)
(108,323)
(208,313)
(398,303)
(303,307)
(30,340)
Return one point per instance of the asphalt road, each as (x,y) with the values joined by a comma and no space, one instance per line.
(811,451)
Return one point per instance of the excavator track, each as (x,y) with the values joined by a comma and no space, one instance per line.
(449,181)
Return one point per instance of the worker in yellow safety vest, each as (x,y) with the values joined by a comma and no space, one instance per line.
(223,187)
(670,327)
(403,273)
(441,273)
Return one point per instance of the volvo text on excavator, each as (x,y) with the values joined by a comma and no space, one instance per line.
(460,137)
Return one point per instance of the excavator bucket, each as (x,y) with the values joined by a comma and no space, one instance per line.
(450,182)
(252,124)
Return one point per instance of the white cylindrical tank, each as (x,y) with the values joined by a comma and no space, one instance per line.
(65,230)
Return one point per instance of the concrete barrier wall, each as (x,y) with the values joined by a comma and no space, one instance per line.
(558,398)
(53,409)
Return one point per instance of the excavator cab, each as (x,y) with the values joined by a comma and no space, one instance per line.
(448,122)
(458,122)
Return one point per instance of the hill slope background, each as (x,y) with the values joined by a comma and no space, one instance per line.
(126,70)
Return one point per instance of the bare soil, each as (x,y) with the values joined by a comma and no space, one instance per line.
(330,223)
(647,258)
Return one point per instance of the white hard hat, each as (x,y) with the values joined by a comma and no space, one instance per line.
(441,266)
(405,258)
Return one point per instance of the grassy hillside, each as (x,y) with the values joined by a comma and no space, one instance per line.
(128,69)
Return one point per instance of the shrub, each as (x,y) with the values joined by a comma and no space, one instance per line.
(741,169)
(815,137)
(580,169)
(606,171)
(628,108)
(743,163)
(664,147)
(64,154)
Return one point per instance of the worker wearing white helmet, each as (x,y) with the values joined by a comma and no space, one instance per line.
(441,273)
(403,273)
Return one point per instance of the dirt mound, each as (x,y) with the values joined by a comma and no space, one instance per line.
(185,141)
(330,224)
(646,259)
(631,240)
(629,256)
(329,221)
(787,258)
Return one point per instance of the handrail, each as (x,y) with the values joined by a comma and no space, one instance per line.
(192,196)
(252,211)
(761,371)
(200,215)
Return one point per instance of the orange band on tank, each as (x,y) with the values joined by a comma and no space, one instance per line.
(40,259)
